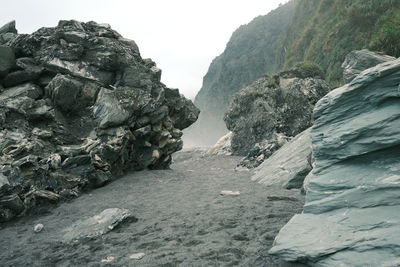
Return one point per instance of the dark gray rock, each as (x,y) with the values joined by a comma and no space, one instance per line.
(8,28)
(289,165)
(28,89)
(109,111)
(89,109)
(359,60)
(7,60)
(269,108)
(352,202)
(64,91)
(95,226)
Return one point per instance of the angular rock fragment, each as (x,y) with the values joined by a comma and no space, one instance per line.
(8,28)
(289,165)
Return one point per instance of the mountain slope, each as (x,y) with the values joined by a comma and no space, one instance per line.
(250,53)
(321,31)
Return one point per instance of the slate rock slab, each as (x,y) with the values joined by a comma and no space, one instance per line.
(351,216)
(289,165)
(359,60)
(95,226)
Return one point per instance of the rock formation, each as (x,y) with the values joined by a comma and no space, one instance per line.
(79,107)
(359,60)
(264,115)
(289,165)
(351,216)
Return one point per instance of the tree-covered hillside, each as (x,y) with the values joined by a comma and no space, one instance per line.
(325,31)
(320,31)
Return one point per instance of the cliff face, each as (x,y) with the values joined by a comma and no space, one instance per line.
(250,53)
(78,108)
(320,31)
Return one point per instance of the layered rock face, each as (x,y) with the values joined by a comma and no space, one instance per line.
(289,165)
(359,60)
(263,115)
(351,216)
(79,107)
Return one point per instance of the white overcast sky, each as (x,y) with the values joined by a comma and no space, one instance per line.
(181,36)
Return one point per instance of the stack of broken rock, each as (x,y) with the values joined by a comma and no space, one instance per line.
(79,107)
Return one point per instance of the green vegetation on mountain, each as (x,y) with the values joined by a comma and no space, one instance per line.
(325,31)
(314,31)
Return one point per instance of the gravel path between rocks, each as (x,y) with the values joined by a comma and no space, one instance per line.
(182,220)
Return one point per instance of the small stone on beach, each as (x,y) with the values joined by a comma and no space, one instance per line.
(38,228)
(108,259)
(229,193)
(137,256)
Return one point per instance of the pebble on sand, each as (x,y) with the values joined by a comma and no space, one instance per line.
(108,259)
(137,256)
(38,228)
(229,193)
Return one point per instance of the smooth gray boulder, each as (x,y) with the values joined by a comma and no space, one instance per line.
(289,165)
(359,60)
(351,215)
(95,226)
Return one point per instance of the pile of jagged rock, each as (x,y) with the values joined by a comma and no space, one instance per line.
(79,107)
(268,113)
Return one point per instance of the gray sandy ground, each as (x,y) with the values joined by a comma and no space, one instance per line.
(182,220)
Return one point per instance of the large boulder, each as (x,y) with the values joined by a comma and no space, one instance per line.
(359,60)
(289,165)
(265,114)
(79,108)
(351,216)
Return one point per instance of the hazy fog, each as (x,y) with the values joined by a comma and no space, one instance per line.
(181,36)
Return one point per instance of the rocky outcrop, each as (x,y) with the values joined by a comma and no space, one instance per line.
(289,165)
(359,60)
(352,202)
(96,226)
(271,109)
(79,108)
